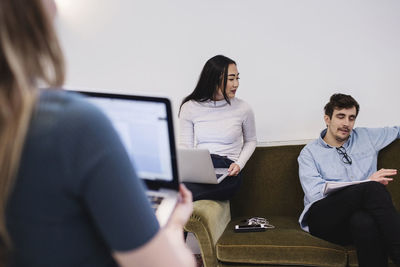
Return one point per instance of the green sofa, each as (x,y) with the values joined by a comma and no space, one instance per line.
(271,189)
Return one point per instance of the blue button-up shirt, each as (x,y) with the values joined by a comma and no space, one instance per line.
(320,162)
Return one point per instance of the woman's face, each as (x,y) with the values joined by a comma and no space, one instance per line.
(232,84)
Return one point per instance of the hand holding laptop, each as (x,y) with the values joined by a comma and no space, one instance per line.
(168,243)
(183,209)
(174,228)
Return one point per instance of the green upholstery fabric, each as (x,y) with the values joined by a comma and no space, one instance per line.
(297,246)
(271,184)
(271,189)
(389,158)
(207,223)
(352,257)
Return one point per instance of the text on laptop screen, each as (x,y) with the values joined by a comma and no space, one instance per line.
(143,129)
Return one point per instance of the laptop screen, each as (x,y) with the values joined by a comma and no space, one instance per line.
(145,127)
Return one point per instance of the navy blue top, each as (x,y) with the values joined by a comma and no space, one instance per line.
(76,197)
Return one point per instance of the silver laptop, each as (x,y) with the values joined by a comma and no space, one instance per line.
(195,166)
(145,127)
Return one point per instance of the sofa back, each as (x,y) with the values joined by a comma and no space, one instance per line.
(389,158)
(271,183)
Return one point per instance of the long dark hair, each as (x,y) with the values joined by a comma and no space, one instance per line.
(213,75)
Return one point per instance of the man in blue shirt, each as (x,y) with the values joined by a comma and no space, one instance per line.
(361,214)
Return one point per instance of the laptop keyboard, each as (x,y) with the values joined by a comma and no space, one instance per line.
(155,201)
(220,171)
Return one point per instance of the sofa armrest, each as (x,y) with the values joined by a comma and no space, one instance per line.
(207,223)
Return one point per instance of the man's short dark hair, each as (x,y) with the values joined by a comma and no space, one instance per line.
(340,101)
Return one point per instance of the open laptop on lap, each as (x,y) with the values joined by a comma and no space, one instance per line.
(145,127)
(195,166)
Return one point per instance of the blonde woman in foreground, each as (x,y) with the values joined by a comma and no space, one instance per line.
(69,195)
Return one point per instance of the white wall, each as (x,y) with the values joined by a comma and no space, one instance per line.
(292,54)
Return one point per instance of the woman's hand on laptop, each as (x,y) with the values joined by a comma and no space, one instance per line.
(234,169)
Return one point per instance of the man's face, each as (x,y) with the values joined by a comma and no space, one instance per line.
(341,124)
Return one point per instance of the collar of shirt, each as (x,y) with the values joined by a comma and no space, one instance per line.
(322,142)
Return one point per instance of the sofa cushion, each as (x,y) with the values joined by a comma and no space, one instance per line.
(286,244)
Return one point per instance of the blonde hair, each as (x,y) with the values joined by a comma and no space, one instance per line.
(29,53)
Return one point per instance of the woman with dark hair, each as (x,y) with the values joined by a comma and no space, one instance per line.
(212,117)
(67,198)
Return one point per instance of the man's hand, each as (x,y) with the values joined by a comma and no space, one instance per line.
(234,169)
(381,176)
